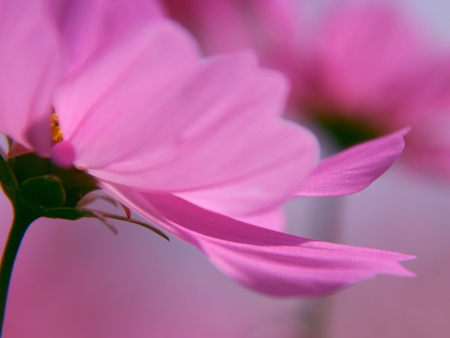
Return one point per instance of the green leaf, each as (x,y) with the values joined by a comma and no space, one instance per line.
(43,192)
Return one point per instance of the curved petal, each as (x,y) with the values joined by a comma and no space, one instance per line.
(267,261)
(354,169)
(156,117)
(268,27)
(271,185)
(87,27)
(29,68)
(141,69)
(273,220)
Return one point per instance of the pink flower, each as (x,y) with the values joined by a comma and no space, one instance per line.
(183,141)
(368,62)
(373,63)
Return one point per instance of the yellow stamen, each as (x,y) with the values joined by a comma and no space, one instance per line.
(56,130)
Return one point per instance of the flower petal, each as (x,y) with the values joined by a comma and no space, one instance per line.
(273,220)
(90,26)
(267,261)
(29,68)
(141,69)
(152,115)
(271,185)
(272,29)
(354,169)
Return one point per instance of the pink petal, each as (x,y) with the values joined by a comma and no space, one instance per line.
(267,261)
(270,28)
(75,279)
(63,154)
(273,220)
(218,24)
(29,68)
(89,27)
(368,56)
(354,169)
(151,114)
(140,69)
(266,26)
(267,186)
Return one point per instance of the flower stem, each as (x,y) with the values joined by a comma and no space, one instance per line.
(22,219)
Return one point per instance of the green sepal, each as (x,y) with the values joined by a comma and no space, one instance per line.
(29,166)
(65,213)
(43,192)
(8,180)
(76,183)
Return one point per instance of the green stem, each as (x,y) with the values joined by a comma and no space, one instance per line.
(22,219)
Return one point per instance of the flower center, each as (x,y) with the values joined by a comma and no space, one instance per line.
(62,153)
(56,129)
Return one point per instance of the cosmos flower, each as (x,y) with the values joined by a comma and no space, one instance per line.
(191,144)
(364,68)
(377,65)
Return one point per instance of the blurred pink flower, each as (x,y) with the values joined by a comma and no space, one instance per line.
(367,61)
(372,62)
(184,141)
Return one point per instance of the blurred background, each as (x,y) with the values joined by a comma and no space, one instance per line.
(76,279)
